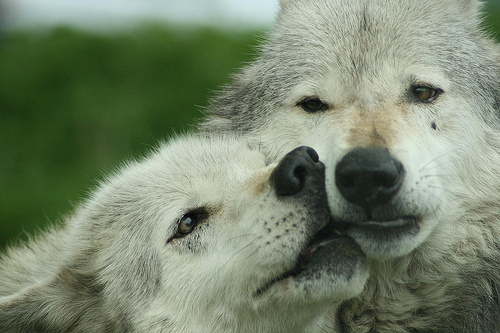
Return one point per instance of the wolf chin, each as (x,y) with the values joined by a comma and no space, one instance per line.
(401,99)
(200,236)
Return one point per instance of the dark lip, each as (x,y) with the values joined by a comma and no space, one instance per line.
(400,223)
(323,237)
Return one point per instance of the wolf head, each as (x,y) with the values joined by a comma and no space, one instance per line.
(202,236)
(400,98)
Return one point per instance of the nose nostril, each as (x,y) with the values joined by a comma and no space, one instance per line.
(345,181)
(313,154)
(300,173)
(385,180)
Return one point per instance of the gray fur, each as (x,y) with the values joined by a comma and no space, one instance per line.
(116,266)
(362,57)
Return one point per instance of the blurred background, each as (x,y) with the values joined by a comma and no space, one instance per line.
(87,84)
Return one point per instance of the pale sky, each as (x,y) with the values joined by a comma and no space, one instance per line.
(116,13)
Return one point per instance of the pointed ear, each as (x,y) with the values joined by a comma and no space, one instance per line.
(60,304)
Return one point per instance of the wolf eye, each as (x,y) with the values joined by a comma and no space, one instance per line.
(425,93)
(189,221)
(313,104)
(186,225)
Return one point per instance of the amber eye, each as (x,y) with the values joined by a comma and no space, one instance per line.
(313,104)
(425,93)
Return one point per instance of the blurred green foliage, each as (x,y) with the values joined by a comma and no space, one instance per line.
(493,17)
(74,105)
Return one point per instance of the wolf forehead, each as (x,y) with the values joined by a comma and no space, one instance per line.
(383,30)
(189,162)
(382,24)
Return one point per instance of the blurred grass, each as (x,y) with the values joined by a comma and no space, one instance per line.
(74,105)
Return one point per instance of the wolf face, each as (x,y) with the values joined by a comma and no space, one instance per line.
(201,236)
(401,110)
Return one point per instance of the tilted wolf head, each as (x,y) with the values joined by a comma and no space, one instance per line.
(201,236)
(401,99)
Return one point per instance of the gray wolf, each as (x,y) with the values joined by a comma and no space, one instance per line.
(401,99)
(200,236)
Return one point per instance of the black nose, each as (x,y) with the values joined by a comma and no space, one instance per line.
(369,176)
(298,172)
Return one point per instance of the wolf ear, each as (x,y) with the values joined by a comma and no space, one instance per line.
(58,304)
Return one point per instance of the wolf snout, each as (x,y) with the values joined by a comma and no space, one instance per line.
(369,176)
(300,171)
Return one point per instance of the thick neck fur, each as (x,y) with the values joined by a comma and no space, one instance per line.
(436,289)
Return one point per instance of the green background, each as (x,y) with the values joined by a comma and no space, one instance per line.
(75,105)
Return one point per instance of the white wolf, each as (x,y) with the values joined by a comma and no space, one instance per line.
(201,236)
(401,99)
